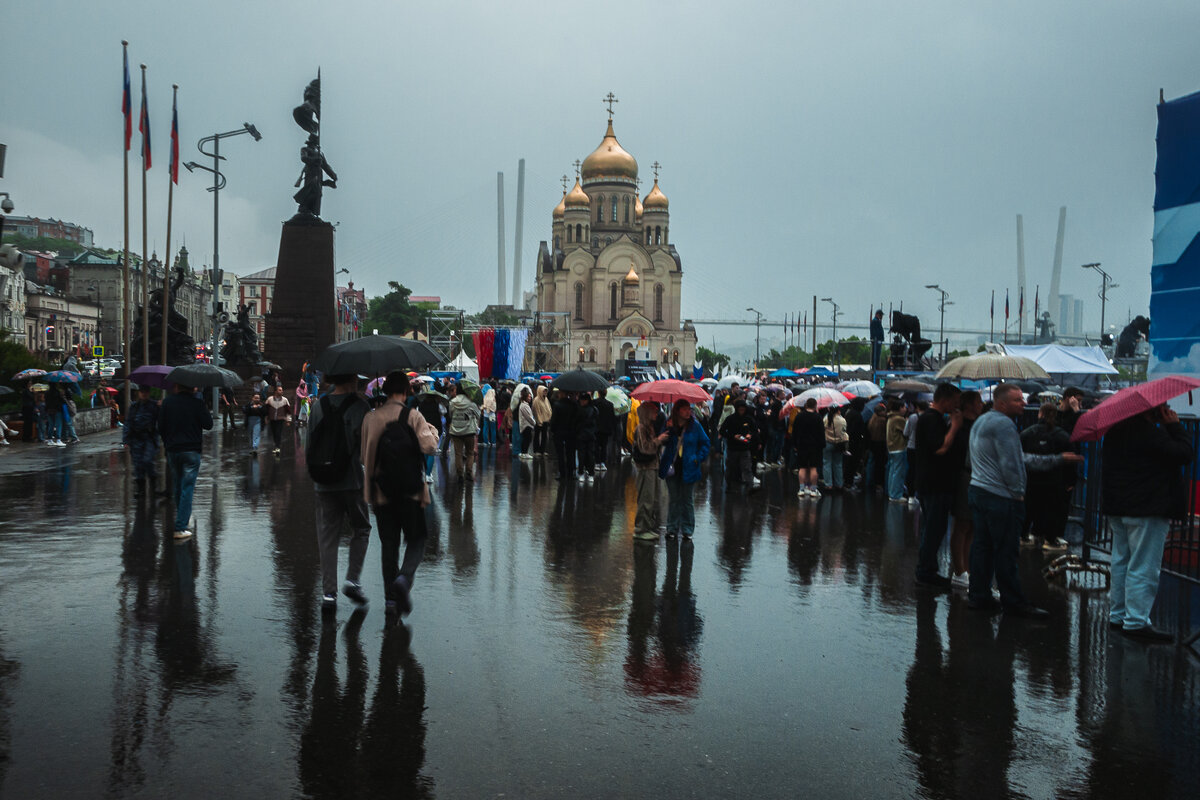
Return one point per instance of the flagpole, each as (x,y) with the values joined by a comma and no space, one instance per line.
(172,172)
(992,314)
(125,260)
(145,237)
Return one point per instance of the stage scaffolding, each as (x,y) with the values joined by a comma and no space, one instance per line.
(546,348)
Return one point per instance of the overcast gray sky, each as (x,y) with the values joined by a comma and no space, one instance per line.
(858,150)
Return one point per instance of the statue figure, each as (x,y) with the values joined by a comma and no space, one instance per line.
(180,345)
(312,176)
(241,341)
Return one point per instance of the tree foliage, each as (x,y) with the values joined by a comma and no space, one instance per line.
(393,314)
(13,359)
(711,358)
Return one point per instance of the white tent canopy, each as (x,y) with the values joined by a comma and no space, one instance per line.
(463,363)
(1077,366)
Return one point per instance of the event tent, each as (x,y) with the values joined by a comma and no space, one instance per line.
(463,363)
(1068,366)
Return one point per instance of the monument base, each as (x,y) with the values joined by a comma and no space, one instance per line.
(303,318)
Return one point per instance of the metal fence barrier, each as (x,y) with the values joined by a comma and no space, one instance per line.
(1181,557)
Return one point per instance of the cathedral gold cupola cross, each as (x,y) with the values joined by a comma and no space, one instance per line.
(609,102)
(656,167)
(564,182)
(577,163)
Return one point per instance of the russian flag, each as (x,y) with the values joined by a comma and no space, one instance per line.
(127,103)
(144,126)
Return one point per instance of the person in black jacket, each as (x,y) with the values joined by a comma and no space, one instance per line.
(740,434)
(1142,490)
(808,440)
(140,435)
(856,447)
(181,421)
(586,420)
(562,430)
(1047,492)
(606,424)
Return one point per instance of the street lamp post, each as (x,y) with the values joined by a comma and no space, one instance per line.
(942,323)
(218,184)
(1105,284)
(757,340)
(835,356)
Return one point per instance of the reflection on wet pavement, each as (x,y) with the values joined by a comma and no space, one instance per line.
(784,652)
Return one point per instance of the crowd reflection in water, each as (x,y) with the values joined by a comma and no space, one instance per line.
(665,671)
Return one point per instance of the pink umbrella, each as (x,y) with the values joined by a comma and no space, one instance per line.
(1130,402)
(825,398)
(670,390)
(373,385)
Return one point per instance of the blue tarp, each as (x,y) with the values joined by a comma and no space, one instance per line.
(784,372)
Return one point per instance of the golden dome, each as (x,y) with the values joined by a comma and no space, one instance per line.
(656,200)
(631,276)
(576,198)
(609,160)
(637,206)
(561,208)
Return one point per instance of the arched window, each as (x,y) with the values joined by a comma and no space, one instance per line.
(658,302)
(578,232)
(614,208)
(607,241)
(579,301)
(592,354)
(600,208)
(657,234)
(558,241)
(626,210)
(612,300)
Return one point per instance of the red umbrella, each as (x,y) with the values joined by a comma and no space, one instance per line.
(1130,402)
(670,390)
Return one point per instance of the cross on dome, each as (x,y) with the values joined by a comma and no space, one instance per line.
(564,180)
(609,102)
(577,164)
(656,167)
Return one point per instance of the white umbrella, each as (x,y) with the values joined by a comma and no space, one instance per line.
(824,396)
(861,388)
(709,383)
(516,396)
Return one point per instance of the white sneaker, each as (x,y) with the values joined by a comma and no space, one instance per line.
(962,580)
(429,478)
(590,478)
(814,492)
(755,483)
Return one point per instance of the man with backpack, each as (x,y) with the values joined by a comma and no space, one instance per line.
(395,440)
(332,455)
(141,437)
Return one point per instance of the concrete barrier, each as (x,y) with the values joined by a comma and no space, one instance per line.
(92,420)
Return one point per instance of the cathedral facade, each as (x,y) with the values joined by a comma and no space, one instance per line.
(610,270)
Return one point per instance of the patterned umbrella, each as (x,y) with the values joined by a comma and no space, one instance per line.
(824,396)
(992,366)
(28,373)
(619,399)
(62,376)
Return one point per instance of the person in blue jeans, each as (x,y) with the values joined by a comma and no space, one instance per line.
(1142,490)
(686,449)
(182,421)
(256,415)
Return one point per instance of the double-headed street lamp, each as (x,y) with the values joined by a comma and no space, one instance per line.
(1105,284)
(834,355)
(942,308)
(218,185)
(757,339)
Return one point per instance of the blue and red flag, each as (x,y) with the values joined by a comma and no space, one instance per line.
(127,103)
(144,126)
(174,166)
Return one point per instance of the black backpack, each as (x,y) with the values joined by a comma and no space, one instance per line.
(399,462)
(328,452)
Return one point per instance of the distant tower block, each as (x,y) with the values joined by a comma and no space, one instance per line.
(516,292)
(1056,275)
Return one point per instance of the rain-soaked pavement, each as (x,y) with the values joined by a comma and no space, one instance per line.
(784,653)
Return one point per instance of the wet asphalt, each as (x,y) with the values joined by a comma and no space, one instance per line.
(784,652)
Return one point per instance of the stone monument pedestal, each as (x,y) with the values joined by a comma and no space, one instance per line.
(303,318)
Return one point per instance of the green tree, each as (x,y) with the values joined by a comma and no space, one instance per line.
(13,359)
(710,358)
(392,313)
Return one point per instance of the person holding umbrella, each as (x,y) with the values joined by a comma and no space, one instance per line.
(1142,490)
(686,449)
(462,426)
(181,422)
(648,442)
(141,437)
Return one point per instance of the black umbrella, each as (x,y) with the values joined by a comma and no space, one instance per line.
(376,355)
(1030,387)
(580,380)
(203,375)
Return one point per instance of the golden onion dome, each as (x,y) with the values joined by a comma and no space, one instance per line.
(637,206)
(656,200)
(609,160)
(561,208)
(576,198)
(631,276)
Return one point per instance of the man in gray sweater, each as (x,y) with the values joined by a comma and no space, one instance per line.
(997,501)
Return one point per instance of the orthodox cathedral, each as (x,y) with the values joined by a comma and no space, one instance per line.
(611,269)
